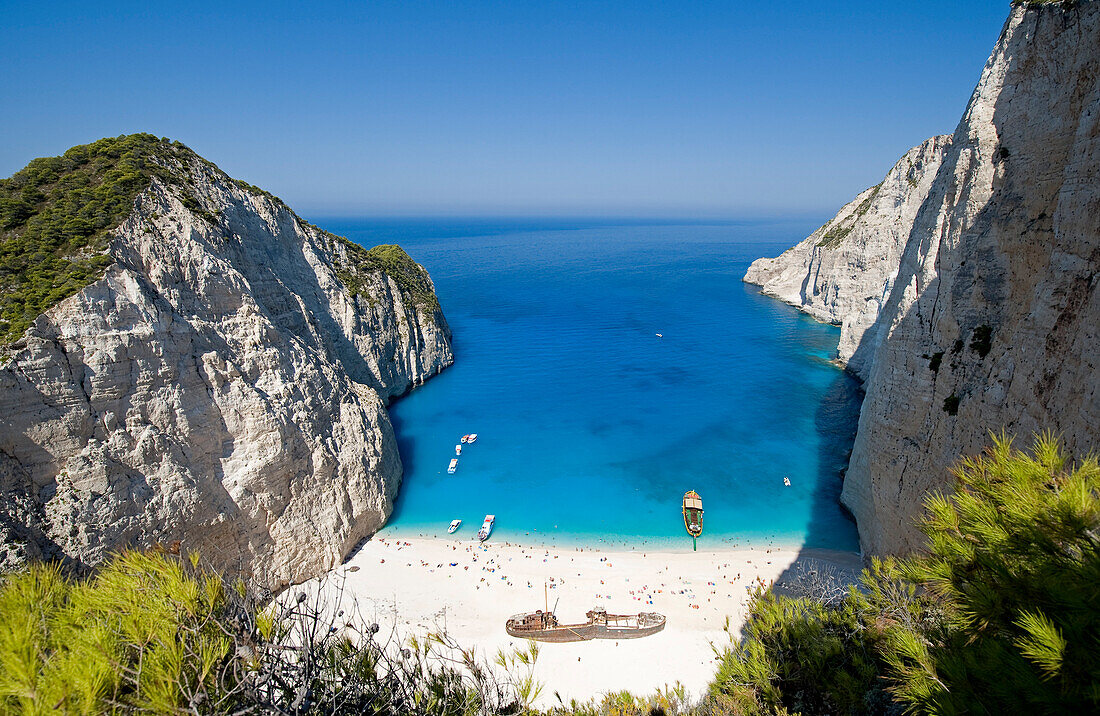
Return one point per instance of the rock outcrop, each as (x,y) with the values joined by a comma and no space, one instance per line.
(843,272)
(222,385)
(992,321)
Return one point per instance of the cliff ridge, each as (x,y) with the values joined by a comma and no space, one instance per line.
(221,383)
(990,317)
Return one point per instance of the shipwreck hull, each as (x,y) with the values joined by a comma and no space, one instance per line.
(629,627)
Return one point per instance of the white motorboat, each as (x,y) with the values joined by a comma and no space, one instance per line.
(486,527)
(453,466)
(472,437)
(458,449)
(455,524)
(787,481)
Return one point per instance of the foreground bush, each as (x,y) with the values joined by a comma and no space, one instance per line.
(143,634)
(1002,615)
(153,633)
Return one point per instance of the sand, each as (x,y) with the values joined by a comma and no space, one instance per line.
(469,590)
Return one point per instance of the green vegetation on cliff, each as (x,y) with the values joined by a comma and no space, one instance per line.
(56,212)
(839,231)
(391,259)
(1000,616)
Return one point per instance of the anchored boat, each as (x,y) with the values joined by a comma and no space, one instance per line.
(544,626)
(486,527)
(453,466)
(455,524)
(693,516)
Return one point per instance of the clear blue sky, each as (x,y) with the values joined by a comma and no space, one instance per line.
(709,109)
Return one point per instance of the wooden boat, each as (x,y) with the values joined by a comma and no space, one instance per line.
(486,527)
(544,626)
(693,516)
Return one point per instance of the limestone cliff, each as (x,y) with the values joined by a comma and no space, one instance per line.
(222,383)
(843,272)
(993,319)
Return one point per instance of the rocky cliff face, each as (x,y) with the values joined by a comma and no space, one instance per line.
(993,320)
(223,384)
(843,272)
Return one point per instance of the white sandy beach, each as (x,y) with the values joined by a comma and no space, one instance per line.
(470,589)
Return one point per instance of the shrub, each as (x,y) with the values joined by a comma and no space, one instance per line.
(982,341)
(835,234)
(1014,560)
(154,633)
(935,361)
(143,634)
(999,616)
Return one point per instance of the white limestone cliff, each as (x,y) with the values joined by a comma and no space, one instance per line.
(992,321)
(843,272)
(220,385)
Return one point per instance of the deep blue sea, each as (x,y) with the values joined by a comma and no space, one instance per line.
(591,426)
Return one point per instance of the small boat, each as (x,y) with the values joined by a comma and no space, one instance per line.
(544,626)
(787,481)
(486,527)
(472,437)
(453,466)
(693,516)
(458,449)
(660,335)
(464,438)
(455,524)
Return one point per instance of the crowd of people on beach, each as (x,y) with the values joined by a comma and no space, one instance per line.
(722,592)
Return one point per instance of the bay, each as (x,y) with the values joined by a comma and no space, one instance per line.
(591,426)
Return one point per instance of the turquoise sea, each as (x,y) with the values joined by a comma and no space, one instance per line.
(591,426)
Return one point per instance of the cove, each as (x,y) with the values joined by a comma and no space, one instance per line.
(591,426)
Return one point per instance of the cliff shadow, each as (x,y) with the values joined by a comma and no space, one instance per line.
(835,420)
(406,449)
(822,572)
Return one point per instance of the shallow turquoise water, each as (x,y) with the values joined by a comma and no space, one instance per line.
(590,426)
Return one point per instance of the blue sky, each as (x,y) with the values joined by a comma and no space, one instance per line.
(688,109)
